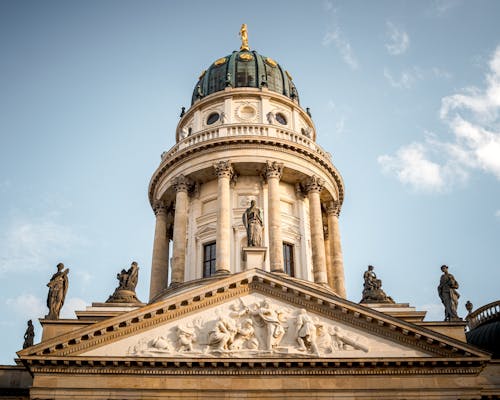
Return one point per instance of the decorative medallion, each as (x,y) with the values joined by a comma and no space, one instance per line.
(246,57)
(220,61)
(271,62)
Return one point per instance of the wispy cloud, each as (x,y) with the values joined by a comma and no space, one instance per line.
(335,36)
(473,117)
(71,305)
(435,312)
(27,306)
(497,214)
(398,40)
(441,7)
(405,80)
(31,244)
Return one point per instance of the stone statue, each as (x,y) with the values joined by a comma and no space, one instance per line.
(244,38)
(58,287)
(270,117)
(125,292)
(372,288)
(266,317)
(186,337)
(253,222)
(228,80)
(183,111)
(29,335)
(448,294)
(223,334)
(245,336)
(306,333)
(308,111)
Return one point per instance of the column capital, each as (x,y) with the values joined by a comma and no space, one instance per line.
(224,169)
(160,208)
(273,169)
(332,207)
(314,184)
(182,183)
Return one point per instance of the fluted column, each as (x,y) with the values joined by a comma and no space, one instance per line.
(159,266)
(313,187)
(273,172)
(338,283)
(181,185)
(224,172)
(328,258)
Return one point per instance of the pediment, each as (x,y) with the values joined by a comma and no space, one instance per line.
(254,315)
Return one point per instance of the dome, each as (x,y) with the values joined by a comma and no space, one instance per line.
(244,68)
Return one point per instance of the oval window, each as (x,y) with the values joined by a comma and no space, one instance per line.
(212,118)
(281,118)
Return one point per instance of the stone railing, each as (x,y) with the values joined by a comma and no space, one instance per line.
(245,130)
(486,313)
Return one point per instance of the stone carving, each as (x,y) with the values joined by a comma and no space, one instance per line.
(273,169)
(270,118)
(258,329)
(125,292)
(29,335)
(469,306)
(224,169)
(314,184)
(182,183)
(253,222)
(183,111)
(372,289)
(449,295)
(58,287)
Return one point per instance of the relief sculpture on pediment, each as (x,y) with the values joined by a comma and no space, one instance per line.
(260,328)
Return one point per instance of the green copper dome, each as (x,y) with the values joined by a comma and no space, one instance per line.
(244,69)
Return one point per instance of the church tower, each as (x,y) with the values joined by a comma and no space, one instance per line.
(246,141)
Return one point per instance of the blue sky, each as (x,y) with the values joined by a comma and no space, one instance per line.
(404,94)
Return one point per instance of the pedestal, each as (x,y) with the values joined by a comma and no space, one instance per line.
(254,257)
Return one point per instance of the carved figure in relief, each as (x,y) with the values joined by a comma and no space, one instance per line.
(245,337)
(270,117)
(185,338)
(306,332)
(58,287)
(160,343)
(272,321)
(184,132)
(29,335)
(449,295)
(222,337)
(341,341)
(253,222)
(223,117)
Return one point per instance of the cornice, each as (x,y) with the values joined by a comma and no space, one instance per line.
(243,142)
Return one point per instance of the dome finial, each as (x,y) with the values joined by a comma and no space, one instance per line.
(244,38)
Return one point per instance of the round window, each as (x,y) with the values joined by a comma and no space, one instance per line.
(281,118)
(212,118)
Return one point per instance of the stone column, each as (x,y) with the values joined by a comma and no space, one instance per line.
(181,185)
(328,258)
(159,267)
(273,172)
(338,283)
(313,187)
(224,172)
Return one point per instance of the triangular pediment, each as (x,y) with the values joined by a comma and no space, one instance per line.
(254,315)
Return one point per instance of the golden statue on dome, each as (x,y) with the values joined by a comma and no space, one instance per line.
(244,38)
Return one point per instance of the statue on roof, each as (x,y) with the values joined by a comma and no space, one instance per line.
(127,281)
(372,288)
(29,335)
(449,295)
(58,287)
(244,38)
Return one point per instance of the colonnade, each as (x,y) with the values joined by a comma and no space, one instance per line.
(326,248)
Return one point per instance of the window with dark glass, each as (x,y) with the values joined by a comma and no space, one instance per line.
(208,259)
(212,118)
(288,259)
(245,73)
(281,118)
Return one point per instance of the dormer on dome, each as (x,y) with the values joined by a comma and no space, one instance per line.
(244,68)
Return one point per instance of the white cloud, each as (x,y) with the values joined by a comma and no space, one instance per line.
(473,117)
(30,244)
(441,73)
(27,306)
(335,36)
(441,7)
(406,79)
(71,305)
(398,40)
(435,312)
(497,213)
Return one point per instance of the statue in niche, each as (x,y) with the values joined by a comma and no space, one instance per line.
(272,321)
(306,333)
(58,287)
(125,292)
(29,335)
(372,288)
(253,222)
(449,295)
